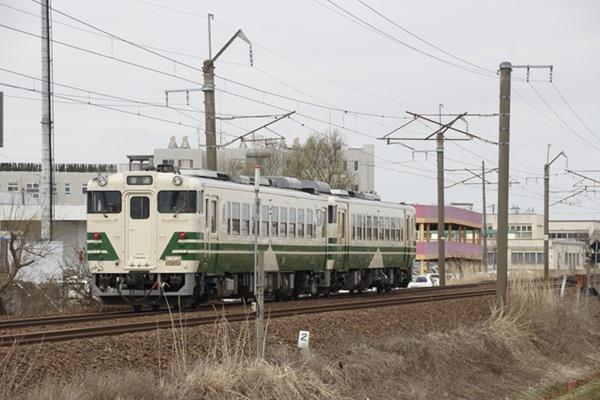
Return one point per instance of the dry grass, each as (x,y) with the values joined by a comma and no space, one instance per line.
(540,339)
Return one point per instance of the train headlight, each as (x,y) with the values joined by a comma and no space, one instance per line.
(177,180)
(102,180)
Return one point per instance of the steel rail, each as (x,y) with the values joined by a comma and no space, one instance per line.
(93,317)
(104,330)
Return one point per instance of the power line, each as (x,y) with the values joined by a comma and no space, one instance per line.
(342,110)
(66,97)
(130,63)
(122,39)
(371,27)
(573,111)
(569,128)
(423,40)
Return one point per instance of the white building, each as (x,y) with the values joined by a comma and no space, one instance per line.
(526,244)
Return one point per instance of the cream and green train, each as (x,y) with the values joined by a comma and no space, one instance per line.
(188,236)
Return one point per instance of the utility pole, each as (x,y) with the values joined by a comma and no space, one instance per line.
(547,210)
(440,203)
(484,230)
(208,87)
(503,177)
(46,184)
(259,273)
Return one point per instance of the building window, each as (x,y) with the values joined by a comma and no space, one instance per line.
(354,188)
(67,188)
(185,163)
(521,231)
(356,166)
(84,188)
(168,162)
(345,165)
(33,189)
(13,187)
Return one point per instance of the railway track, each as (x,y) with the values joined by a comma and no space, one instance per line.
(113,315)
(190,321)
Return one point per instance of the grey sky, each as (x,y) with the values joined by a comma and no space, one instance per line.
(308,46)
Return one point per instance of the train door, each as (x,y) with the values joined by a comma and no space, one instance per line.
(342,236)
(140,224)
(211,231)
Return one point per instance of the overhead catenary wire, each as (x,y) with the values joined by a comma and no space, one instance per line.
(66,97)
(373,28)
(565,124)
(396,24)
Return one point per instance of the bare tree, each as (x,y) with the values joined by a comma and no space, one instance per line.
(20,246)
(321,158)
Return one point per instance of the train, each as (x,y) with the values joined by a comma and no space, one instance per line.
(186,237)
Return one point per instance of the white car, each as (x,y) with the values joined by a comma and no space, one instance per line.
(421,281)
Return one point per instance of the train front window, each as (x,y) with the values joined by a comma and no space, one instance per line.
(177,202)
(104,202)
(139,207)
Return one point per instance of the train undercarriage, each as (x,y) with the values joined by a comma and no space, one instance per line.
(145,289)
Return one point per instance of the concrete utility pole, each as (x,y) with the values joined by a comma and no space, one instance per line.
(440,203)
(547,210)
(259,273)
(484,230)
(46,184)
(208,68)
(503,177)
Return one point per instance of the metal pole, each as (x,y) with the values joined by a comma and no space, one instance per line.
(484,230)
(259,274)
(546,220)
(209,109)
(210,16)
(440,204)
(503,177)
(46,184)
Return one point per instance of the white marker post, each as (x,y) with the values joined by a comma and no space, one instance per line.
(304,341)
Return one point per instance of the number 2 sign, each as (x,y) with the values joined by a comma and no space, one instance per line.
(303,339)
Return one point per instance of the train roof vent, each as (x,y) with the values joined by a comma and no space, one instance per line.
(285,182)
(368,196)
(340,193)
(263,181)
(315,187)
(205,173)
(245,180)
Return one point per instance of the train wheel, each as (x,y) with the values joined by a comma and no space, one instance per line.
(137,307)
(155,307)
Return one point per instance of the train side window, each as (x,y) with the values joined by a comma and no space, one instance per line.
(381,229)
(375,227)
(310,223)
(300,222)
(206,214)
(213,216)
(227,216)
(386,227)
(331,217)
(342,225)
(283,222)
(292,223)
(359,227)
(245,219)
(322,222)
(369,223)
(264,221)
(200,201)
(393,229)
(399,229)
(235,218)
(274,221)
(353,224)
